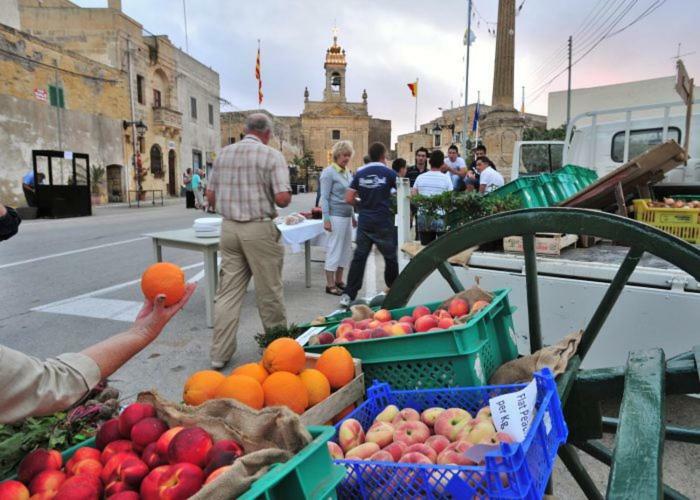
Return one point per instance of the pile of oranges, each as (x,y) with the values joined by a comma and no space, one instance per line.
(280,378)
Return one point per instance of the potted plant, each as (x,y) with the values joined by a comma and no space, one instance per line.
(97,175)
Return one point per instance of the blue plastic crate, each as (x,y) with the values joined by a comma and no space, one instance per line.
(518,470)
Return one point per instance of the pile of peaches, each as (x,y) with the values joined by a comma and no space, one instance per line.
(136,457)
(435,436)
(382,324)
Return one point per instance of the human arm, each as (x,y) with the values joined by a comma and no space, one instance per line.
(280,181)
(482,188)
(32,387)
(325,187)
(351,197)
(211,199)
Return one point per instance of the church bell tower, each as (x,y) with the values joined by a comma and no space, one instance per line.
(335,72)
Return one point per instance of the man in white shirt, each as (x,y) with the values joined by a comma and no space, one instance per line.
(456,168)
(431,183)
(489,178)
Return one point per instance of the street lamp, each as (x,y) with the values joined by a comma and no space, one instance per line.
(136,158)
(437,130)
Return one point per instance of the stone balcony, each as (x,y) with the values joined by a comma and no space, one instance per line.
(168,120)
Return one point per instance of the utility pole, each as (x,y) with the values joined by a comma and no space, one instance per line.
(522,102)
(133,123)
(568,91)
(466,79)
(184,11)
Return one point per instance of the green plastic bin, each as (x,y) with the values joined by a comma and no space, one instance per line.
(527,189)
(308,474)
(586,176)
(552,189)
(462,356)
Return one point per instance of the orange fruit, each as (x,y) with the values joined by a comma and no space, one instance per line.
(286,389)
(254,370)
(201,386)
(166,278)
(317,385)
(336,364)
(242,388)
(340,416)
(284,354)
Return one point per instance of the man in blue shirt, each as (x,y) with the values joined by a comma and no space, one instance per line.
(370,193)
(29,186)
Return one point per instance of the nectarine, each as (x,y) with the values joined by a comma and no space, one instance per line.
(36,461)
(132,414)
(108,432)
(191,446)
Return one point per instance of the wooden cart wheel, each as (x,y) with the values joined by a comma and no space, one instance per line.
(645,376)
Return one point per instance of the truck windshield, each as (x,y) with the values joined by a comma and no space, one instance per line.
(540,158)
(640,141)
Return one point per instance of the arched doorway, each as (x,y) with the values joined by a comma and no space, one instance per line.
(172,182)
(114,184)
(156,161)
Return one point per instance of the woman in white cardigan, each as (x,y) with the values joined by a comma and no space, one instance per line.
(338,217)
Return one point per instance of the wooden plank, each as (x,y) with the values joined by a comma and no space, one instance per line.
(636,470)
(351,393)
(545,243)
(671,432)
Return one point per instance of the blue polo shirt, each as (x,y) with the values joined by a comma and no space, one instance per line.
(373,183)
(28,179)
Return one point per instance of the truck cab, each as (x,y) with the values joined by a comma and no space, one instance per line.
(605,140)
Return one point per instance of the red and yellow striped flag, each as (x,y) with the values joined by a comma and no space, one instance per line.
(413,87)
(258,76)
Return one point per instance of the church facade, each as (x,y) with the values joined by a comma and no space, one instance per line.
(324,122)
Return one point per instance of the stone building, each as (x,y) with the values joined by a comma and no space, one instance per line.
(286,131)
(333,118)
(165,86)
(52,98)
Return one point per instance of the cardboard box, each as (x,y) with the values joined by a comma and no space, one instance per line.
(545,243)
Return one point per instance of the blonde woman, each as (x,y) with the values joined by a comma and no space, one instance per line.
(338,217)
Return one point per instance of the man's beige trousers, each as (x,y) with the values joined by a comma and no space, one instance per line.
(248,249)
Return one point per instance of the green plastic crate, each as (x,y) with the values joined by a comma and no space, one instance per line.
(551,186)
(527,189)
(586,176)
(308,474)
(457,357)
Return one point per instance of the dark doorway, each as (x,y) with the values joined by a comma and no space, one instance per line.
(114,183)
(172,183)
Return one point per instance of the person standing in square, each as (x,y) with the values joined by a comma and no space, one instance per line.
(248,181)
(431,183)
(370,193)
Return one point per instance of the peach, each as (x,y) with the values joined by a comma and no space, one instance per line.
(13,490)
(349,321)
(382,315)
(445,323)
(419,312)
(406,415)
(147,431)
(47,481)
(479,305)
(37,461)
(125,495)
(80,488)
(343,330)
(415,458)
(191,446)
(108,432)
(350,434)
(340,340)
(458,307)
(452,457)
(212,477)
(177,481)
(406,319)
(407,327)
(121,446)
(362,452)
(335,451)
(484,413)
(382,456)
(46,495)
(361,334)
(437,443)
(452,422)
(396,450)
(123,468)
(387,414)
(152,458)
(378,333)
(325,338)
(219,459)
(481,431)
(164,440)
(429,416)
(86,467)
(381,433)
(423,449)
(411,432)
(116,487)
(374,324)
(133,414)
(225,445)
(81,454)
(364,324)
(425,323)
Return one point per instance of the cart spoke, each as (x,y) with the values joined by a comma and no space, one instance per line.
(568,455)
(533,300)
(609,299)
(450,276)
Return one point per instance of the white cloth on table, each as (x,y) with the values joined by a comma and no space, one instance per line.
(339,247)
(296,235)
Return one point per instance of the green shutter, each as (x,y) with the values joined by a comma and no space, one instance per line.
(53,98)
(61,101)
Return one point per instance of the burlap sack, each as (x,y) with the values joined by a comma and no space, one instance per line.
(271,435)
(471,295)
(555,357)
(412,248)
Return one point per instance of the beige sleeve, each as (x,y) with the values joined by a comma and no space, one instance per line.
(30,387)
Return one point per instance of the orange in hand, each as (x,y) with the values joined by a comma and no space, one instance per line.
(164,278)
